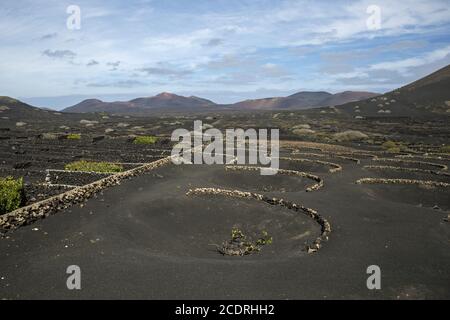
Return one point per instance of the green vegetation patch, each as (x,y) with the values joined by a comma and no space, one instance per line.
(74,136)
(388,145)
(11,194)
(92,166)
(240,245)
(394,147)
(145,140)
(445,149)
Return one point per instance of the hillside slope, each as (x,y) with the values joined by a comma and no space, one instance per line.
(303,100)
(13,109)
(428,96)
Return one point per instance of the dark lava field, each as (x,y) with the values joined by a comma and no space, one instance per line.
(153,237)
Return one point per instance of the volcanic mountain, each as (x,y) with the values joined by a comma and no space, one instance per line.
(13,109)
(428,96)
(15,113)
(172,102)
(163,101)
(303,100)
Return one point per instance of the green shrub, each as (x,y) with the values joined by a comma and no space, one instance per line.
(240,245)
(145,140)
(92,166)
(394,150)
(11,194)
(74,136)
(389,145)
(350,135)
(445,149)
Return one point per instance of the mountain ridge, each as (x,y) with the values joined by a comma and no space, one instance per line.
(170,101)
(429,95)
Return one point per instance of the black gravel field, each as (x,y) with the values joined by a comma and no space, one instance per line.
(147,239)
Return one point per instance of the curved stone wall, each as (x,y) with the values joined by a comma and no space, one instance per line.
(324,224)
(319,181)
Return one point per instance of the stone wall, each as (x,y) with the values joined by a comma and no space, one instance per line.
(334,166)
(428,183)
(399,160)
(319,182)
(438,173)
(44,208)
(324,224)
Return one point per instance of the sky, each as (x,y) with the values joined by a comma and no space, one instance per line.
(223,50)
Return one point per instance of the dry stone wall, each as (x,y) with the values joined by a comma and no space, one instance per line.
(439,173)
(44,208)
(399,160)
(319,181)
(324,224)
(334,166)
(428,183)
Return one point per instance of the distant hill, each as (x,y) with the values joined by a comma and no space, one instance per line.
(163,101)
(303,100)
(15,113)
(347,96)
(300,100)
(172,102)
(13,109)
(429,96)
(96,105)
(426,97)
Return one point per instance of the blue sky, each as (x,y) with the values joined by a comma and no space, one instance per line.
(224,50)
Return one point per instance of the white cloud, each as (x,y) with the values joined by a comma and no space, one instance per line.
(254,44)
(404,65)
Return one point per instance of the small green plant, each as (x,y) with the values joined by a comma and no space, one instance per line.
(265,239)
(11,194)
(389,145)
(394,150)
(445,149)
(92,166)
(240,245)
(74,136)
(237,234)
(145,140)
(392,147)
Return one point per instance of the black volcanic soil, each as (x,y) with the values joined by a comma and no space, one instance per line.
(254,182)
(147,239)
(28,153)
